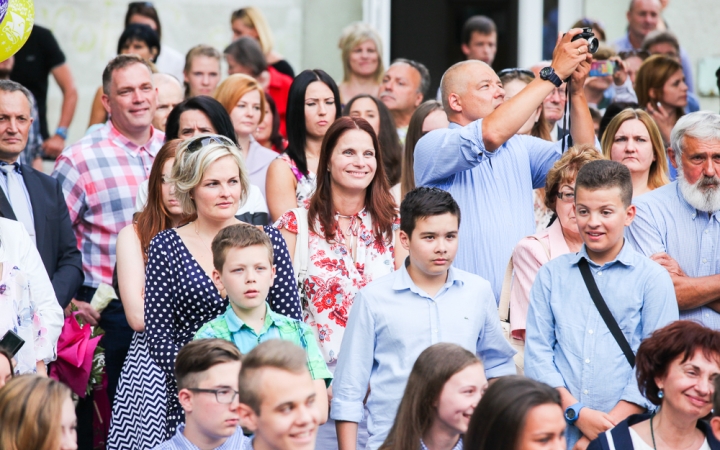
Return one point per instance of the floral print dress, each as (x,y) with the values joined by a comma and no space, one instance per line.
(305,184)
(333,278)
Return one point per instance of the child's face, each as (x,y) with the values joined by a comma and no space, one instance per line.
(602,218)
(288,418)
(460,396)
(433,244)
(247,276)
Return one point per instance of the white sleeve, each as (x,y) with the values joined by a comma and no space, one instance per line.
(142,196)
(254,203)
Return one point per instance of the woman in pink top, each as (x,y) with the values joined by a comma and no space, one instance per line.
(559,238)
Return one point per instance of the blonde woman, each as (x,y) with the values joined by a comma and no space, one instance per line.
(633,139)
(211,181)
(202,70)
(250,21)
(362,61)
(244,100)
(37,413)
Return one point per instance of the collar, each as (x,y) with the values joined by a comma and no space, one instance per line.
(235,324)
(454,125)
(18,166)
(121,141)
(558,244)
(626,256)
(403,281)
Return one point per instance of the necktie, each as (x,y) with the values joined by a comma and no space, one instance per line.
(18,200)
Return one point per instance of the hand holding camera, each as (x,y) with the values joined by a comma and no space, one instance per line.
(572,51)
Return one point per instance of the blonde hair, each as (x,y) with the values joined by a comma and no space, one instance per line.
(658,175)
(651,78)
(232,89)
(253,18)
(190,166)
(30,410)
(354,35)
(566,169)
(200,50)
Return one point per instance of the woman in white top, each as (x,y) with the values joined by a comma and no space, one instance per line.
(28,305)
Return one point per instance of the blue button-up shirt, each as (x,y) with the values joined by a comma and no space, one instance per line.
(494,191)
(392,321)
(17,173)
(665,222)
(237,441)
(567,342)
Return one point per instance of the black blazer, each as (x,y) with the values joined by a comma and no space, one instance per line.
(55,238)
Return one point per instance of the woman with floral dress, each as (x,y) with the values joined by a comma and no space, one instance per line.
(352,223)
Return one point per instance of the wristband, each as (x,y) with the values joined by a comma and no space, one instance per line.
(62,132)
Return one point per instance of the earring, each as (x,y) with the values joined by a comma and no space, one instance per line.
(661,394)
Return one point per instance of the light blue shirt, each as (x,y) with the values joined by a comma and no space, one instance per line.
(17,173)
(494,191)
(665,222)
(392,321)
(567,342)
(237,441)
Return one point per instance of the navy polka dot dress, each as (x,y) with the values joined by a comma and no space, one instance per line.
(180,298)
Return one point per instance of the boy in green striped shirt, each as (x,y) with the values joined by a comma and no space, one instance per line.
(243,260)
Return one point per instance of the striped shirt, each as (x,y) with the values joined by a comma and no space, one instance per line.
(494,191)
(100,175)
(237,441)
(665,222)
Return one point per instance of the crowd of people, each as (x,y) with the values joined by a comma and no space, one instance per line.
(525,259)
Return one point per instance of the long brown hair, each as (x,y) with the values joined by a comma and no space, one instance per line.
(651,78)
(414,133)
(378,201)
(30,410)
(417,410)
(155,218)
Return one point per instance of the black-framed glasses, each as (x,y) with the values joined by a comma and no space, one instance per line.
(567,197)
(514,70)
(201,141)
(222,395)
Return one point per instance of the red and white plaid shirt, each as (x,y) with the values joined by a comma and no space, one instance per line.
(100,175)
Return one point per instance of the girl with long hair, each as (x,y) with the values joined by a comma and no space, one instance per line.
(661,90)
(429,116)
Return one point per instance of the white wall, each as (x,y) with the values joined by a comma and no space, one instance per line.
(305,33)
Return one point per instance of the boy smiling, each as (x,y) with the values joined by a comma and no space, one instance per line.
(568,344)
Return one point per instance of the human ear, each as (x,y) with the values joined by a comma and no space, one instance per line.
(630,215)
(218,281)
(455,103)
(715,425)
(465,49)
(248,418)
(671,155)
(404,240)
(185,397)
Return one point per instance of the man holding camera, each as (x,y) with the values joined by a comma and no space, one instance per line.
(489,170)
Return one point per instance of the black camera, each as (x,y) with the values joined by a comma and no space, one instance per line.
(589,36)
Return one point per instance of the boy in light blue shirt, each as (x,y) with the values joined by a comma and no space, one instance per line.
(243,260)
(568,344)
(396,317)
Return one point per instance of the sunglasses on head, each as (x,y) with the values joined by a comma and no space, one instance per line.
(527,72)
(199,142)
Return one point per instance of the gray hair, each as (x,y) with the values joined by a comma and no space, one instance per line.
(701,125)
(14,86)
(424,73)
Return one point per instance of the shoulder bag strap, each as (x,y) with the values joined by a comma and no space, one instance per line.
(301,257)
(605,311)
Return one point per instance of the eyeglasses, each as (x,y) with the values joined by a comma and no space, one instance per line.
(222,395)
(201,141)
(513,70)
(567,197)
(559,92)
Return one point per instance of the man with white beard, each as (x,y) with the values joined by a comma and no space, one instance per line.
(678,225)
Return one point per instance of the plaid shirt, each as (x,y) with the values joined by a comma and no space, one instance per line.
(100,175)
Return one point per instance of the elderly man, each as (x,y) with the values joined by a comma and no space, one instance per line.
(170,93)
(33,198)
(490,172)
(404,87)
(643,17)
(678,225)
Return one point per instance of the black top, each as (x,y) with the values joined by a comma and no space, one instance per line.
(283,66)
(33,64)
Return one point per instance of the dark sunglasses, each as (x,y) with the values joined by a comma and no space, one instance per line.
(513,70)
(199,142)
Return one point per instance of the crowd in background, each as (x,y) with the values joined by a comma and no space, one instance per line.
(267,259)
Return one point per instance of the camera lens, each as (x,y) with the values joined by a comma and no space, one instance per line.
(593,44)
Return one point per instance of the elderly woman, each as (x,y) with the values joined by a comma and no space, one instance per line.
(559,238)
(676,368)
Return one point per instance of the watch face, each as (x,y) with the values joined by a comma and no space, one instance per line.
(570,414)
(545,72)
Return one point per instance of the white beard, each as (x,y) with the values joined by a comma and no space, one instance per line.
(707,200)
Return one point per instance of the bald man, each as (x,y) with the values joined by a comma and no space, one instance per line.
(489,170)
(170,93)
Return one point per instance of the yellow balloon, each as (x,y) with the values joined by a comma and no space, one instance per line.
(16,27)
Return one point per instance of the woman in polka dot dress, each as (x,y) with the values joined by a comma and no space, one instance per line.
(211,181)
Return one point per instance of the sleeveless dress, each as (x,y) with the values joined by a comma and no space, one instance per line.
(179,298)
(305,184)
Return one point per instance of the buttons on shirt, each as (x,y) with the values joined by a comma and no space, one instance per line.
(585,392)
(704,260)
(707,231)
(590,331)
(600,272)
(587,361)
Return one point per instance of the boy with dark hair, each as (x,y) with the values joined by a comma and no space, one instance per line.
(583,344)
(207,377)
(396,317)
(479,39)
(278,401)
(243,260)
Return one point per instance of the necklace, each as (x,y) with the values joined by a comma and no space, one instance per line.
(652,433)
(197,232)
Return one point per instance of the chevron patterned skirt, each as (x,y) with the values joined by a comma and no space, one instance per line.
(138,414)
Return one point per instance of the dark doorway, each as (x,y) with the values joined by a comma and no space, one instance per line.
(429,31)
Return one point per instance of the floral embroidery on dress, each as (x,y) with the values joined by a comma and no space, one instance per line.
(305,184)
(333,278)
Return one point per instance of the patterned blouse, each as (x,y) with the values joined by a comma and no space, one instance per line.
(305,184)
(333,278)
